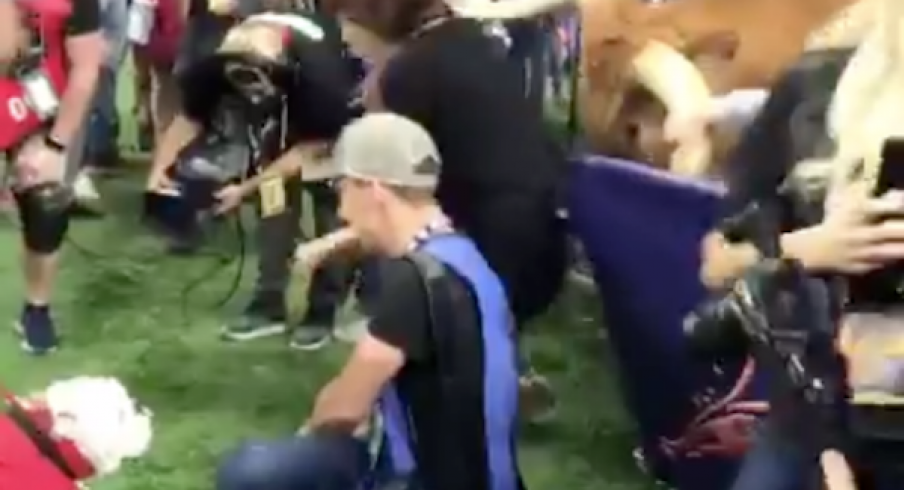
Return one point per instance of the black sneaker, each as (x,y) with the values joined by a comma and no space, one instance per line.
(260,319)
(314,332)
(37,329)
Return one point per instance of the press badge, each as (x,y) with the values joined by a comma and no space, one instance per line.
(273,197)
(40,95)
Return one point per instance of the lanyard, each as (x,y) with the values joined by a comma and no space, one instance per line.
(439,225)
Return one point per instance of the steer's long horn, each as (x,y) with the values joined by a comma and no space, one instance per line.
(680,86)
(507,9)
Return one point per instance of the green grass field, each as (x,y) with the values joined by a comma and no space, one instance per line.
(120,307)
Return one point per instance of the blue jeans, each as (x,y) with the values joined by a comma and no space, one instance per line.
(777,463)
(103,122)
(310,462)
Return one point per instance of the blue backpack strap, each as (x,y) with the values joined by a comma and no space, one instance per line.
(444,313)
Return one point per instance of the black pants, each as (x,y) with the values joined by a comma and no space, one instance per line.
(523,241)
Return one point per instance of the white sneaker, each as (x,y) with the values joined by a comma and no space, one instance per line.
(84,188)
(350,332)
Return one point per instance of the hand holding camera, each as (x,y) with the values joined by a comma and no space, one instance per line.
(859,233)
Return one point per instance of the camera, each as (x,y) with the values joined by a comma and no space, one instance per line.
(241,134)
(776,307)
(725,326)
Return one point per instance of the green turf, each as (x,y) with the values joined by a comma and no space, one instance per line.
(120,307)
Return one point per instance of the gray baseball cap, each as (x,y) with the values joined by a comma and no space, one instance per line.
(388,148)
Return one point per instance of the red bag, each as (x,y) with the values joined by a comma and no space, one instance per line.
(169,25)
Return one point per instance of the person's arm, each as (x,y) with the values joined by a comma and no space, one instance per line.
(291,164)
(397,334)
(755,169)
(177,135)
(86,52)
(310,254)
(199,95)
(724,262)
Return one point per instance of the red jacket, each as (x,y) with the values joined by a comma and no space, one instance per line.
(17,119)
(22,466)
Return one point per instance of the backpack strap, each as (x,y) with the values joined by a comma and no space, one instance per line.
(443,310)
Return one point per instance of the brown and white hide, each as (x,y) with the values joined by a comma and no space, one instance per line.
(723,45)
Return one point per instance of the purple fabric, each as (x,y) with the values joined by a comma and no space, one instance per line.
(641,230)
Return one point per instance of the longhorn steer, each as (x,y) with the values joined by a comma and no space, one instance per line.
(642,61)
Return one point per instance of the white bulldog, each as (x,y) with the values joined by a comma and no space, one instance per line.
(73,431)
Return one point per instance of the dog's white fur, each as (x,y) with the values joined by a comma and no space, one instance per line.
(99,416)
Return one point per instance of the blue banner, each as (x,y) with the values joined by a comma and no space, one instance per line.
(641,229)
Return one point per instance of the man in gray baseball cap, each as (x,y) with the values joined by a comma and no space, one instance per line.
(388,170)
(390,149)
(440,314)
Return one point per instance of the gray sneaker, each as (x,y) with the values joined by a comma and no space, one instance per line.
(257,322)
(310,336)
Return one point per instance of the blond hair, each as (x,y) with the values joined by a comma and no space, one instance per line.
(863,111)
(846,29)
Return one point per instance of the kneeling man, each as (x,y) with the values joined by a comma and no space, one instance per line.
(437,365)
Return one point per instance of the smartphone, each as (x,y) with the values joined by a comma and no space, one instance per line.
(883,286)
(891,170)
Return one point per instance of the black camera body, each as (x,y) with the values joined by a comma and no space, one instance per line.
(778,309)
(775,305)
(240,136)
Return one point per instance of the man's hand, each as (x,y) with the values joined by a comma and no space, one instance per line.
(230,198)
(858,234)
(309,255)
(37,164)
(159,181)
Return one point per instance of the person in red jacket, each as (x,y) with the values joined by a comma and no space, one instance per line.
(51,55)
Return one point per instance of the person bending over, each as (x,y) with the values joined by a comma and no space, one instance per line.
(317,109)
(438,360)
(51,54)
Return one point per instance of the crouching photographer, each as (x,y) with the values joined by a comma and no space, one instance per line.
(268,102)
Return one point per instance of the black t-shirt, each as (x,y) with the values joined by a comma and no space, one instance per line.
(502,171)
(455,81)
(451,454)
(318,100)
(84,19)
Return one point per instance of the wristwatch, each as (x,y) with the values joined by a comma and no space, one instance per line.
(54,144)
